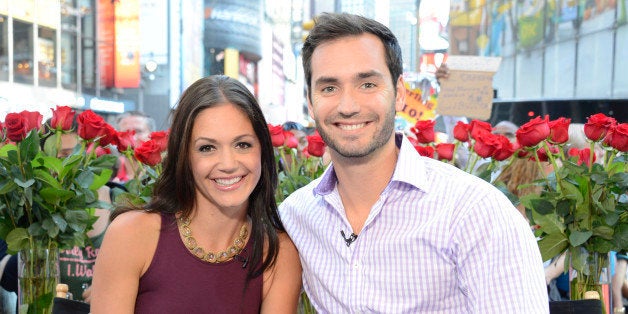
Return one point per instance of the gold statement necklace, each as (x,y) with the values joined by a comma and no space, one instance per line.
(211,257)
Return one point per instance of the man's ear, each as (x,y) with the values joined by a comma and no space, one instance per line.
(310,110)
(400,99)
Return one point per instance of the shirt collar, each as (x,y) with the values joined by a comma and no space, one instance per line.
(410,169)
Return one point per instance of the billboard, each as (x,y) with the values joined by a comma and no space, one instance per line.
(127,38)
(106,41)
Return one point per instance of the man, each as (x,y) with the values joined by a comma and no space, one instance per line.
(384,230)
(142,124)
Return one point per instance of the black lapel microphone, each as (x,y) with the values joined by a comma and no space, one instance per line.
(350,239)
(242,259)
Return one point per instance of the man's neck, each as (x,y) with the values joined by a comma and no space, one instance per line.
(361,181)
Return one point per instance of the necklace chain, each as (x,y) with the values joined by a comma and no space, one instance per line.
(211,257)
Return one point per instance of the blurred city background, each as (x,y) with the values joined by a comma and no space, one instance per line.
(558,57)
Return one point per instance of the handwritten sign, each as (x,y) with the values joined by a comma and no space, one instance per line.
(415,109)
(469,89)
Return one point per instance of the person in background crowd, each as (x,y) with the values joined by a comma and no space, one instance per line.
(140,122)
(619,283)
(385,230)
(8,269)
(143,125)
(299,133)
(210,239)
(520,171)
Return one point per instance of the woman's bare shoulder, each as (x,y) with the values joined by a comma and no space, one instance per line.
(136,223)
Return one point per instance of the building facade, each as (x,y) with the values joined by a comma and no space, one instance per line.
(558,57)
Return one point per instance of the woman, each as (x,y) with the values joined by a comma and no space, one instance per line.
(210,240)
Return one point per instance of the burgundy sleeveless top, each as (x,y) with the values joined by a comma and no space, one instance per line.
(178,282)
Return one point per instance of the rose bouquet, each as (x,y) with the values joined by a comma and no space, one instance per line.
(296,169)
(145,159)
(47,202)
(583,207)
(580,206)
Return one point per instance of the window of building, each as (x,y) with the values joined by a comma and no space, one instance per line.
(68,60)
(22,52)
(4,48)
(47,66)
(89,47)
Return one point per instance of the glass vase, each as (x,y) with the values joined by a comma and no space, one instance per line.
(588,272)
(38,274)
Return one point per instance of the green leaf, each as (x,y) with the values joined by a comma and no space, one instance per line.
(53,164)
(29,146)
(35,229)
(577,238)
(601,245)
(85,179)
(104,162)
(563,207)
(579,258)
(17,239)
(605,232)
(571,191)
(542,206)
(61,223)
(50,226)
(44,176)
(611,218)
(101,179)
(50,144)
(56,196)
(620,237)
(69,164)
(4,150)
(621,179)
(24,184)
(550,223)
(552,245)
(7,186)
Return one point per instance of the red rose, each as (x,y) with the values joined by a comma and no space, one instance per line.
(533,132)
(17,127)
(445,151)
(424,131)
(485,144)
(109,136)
(505,149)
(617,137)
(427,151)
(315,145)
(33,119)
(477,127)
(126,140)
(559,130)
(90,125)
(542,153)
(148,153)
(1,132)
(522,153)
(161,138)
(290,140)
(461,131)
(100,151)
(276,135)
(62,118)
(597,126)
(584,156)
